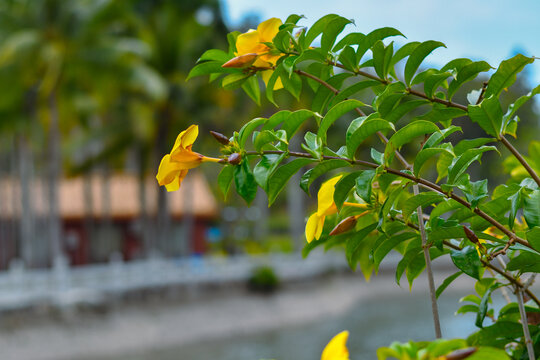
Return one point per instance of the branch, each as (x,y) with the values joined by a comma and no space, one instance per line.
(521,159)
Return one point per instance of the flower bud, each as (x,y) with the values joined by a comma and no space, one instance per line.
(241,61)
(234,159)
(344,225)
(460,354)
(222,139)
(471,235)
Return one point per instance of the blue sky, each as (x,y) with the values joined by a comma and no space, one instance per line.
(490,30)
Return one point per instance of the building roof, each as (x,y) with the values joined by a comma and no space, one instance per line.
(123,196)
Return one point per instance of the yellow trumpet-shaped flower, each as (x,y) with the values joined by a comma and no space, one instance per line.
(336,349)
(252,50)
(326,207)
(175,165)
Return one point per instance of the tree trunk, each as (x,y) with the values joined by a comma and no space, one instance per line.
(26,220)
(54,162)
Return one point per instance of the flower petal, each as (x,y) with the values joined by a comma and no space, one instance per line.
(268,29)
(326,204)
(168,170)
(186,159)
(189,136)
(249,42)
(175,185)
(336,348)
(311,227)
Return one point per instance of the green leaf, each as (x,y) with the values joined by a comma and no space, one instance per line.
(483,307)
(386,246)
(279,178)
(245,182)
(410,254)
(365,130)
(432,82)
(317,28)
(465,74)
(423,200)
(343,187)
(403,52)
(295,120)
(467,309)
(234,81)
(206,68)
(252,89)
(382,55)
(506,74)
(321,169)
(370,39)
(425,154)
(512,108)
(525,262)
(437,137)
(266,167)
(533,236)
(214,54)
(353,244)
(475,191)
(531,209)
(488,115)
(417,56)
(276,74)
(463,161)
(408,133)
(497,334)
(331,31)
(489,353)
(404,108)
(334,113)
(447,282)
(364,183)
(353,89)
(292,84)
(516,201)
(323,94)
(247,129)
(224,179)
(467,260)
(347,57)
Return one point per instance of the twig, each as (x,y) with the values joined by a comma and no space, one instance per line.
(521,159)
(482,93)
(525,324)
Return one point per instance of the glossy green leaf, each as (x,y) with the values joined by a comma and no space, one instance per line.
(245,183)
(225,178)
(437,137)
(525,262)
(531,209)
(214,55)
(353,244)
(425,154)
(370,39)
(331,31)
(343,188)
(432,82)
(483,307)
(364,131)
(347,57)
(423,200)
(446,283)
(407,133)
(382,56)
(207,68)
(506,74)
(318,27)
(402,53)
(467,260)
(463,161)
(417,57)
(533,237)
(246,130)
(468,308)
(488,115)
(276,74)
(465,74)
(234,81)
(390,243)
(334,113)
(497,334)
(411,252)
(266,167)
(321,169)
(516,201)
(281,175)
(252,89)
(512,108)
(295,120)
(323,95)
(364,185)
(352,90)
(404,108)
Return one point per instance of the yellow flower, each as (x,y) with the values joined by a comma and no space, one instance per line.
(336,348)
(325,207)
(251,49)
(175,165)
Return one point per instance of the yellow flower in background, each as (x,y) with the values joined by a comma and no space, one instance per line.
(175,165)
(326,207)
(337,348)
(251,50)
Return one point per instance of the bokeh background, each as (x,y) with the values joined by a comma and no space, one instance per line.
(93,94)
